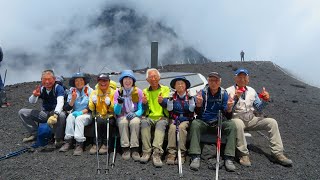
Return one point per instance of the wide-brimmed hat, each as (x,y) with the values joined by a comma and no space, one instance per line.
(180,78)
(85,77)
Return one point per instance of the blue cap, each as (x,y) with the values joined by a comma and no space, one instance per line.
(241,70)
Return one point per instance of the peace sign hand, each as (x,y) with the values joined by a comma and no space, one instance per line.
(36,91)
(199,98)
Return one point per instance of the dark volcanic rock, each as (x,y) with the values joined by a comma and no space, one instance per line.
(295,107)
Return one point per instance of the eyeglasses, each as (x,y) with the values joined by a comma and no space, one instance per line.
(155,77)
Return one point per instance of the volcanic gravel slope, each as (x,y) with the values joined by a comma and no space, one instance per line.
(294,106)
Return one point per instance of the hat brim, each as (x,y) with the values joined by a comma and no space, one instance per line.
(173,82)
(72,81)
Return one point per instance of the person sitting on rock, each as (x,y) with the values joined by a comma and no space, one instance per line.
(209,102)
(246,102)
(101,105)
(52,96)
(77,103)
(181,109)
(128,109)
(156,116)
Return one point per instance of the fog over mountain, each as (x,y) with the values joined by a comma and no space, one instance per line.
(115,38)
(64,35)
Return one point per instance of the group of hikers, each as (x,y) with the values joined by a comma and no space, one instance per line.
(149,114)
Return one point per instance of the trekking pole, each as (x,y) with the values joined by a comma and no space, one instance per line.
(5,77)
(218,144)
(114,151)
(15,153)
(107,164)
(97,144)
(178,145)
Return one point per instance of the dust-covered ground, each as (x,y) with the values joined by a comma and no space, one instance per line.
(295,107)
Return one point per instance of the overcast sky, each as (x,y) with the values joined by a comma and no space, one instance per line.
(286,32)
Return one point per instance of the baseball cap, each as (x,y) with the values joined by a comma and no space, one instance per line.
(214,74)
(241,70)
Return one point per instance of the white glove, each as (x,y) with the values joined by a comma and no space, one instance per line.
(94,99)
(107,101)
(170,105)
(192,104)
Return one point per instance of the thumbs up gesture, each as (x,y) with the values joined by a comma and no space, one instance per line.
(36,91)
(160,98)
(230,102)
(144,99)
(264,95)
(199,98)
(240,91)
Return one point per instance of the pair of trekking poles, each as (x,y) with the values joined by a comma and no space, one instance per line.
(97,145)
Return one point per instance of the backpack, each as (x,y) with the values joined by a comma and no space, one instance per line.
(43,136)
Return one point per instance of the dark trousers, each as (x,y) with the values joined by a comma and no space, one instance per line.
(102,129)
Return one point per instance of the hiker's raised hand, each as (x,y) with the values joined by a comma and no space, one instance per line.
(36,91)
(239,91)
(107,101)
(199,98)
(160,98)
(264,95)
(74,94)
(94,99)
(230,102)
(144,99)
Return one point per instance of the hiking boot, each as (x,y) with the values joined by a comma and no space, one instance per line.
(212,163)
(183,159)
(4,105)
(195,163)
(103,149)
(171,159)
(282,159)
(78,150)
(245,161)
(93,149)
(29,139)
(66,147)
(156,159)
(145,158)
(135,154)
(58,143)
(126,153)
(228,163)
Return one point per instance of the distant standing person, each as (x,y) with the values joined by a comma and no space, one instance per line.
(246,101)
(242,56)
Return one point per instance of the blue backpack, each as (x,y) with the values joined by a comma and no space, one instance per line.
(44,135)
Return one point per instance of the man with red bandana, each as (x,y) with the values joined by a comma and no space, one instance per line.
(52,95)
